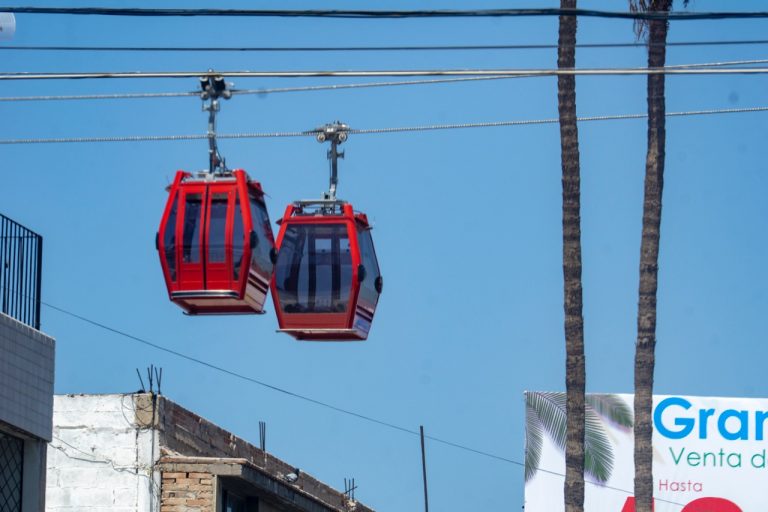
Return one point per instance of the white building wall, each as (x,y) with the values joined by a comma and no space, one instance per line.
(101,456)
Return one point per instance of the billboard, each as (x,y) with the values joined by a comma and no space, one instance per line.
(709,454)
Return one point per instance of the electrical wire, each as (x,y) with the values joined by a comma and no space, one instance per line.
(305,398)
(313,88)
(384,73)
(345,49)
(240,375)
(371,131)
(386,14)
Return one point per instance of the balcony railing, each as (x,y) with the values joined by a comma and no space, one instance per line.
(21,258)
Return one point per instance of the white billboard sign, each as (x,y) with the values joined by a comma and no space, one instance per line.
(709,454)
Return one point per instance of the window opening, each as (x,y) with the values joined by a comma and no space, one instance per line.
(11,465)
(193,207)
(263,232)
(169,239)
(217,230)
(238,241)
(314,269)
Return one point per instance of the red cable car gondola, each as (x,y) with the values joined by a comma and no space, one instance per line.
(215,241)
(215,244)
(326,283)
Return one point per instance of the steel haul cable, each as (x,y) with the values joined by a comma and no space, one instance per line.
(384,73)
(334,87)
(371,131)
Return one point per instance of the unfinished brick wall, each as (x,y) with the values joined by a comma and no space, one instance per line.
(187,492)
(183,432)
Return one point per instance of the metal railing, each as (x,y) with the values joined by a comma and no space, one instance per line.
(21,259)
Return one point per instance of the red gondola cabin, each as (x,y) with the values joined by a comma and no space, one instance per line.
(326,283)
(215,243)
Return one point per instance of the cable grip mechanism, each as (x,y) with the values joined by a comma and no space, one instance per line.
(212,88)
(336,133)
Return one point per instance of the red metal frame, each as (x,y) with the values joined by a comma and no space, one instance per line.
(350,325)
(200,285)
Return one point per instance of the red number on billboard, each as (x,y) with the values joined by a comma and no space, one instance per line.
(629,505)
(698,505)
(711,505)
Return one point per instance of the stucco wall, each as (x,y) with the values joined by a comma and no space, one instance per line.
(100,457)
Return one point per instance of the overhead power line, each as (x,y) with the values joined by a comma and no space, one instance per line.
(386,73)
(345,49)
(270,386)
(368,131)
(384,14)
(320,403)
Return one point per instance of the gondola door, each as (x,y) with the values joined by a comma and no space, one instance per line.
(191,232)
(220,211)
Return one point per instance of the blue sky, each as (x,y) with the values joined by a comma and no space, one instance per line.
(466,226)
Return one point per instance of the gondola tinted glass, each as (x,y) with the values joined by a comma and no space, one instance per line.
(192,209)
(314,269)
(169,239)
(261,225)
(238,240)
(217,228)
(369,289)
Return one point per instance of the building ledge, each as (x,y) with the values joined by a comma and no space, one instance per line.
(245,472)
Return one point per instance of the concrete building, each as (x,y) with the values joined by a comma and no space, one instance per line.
(26,409)
(144,453)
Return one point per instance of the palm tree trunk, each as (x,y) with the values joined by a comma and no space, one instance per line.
(575,372)
(649,263)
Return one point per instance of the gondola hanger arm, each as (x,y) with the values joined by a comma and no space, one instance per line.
(212,88)
(336,133)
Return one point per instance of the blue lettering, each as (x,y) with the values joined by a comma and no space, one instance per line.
(760,417)
(704,415)
(742,433)
(687,424)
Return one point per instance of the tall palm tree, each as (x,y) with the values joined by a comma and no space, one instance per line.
(575,371)
(645,358)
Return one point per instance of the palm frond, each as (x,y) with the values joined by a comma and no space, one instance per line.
(641,26)
(546,412)
(533,442)
(598,452)
(549,408)
(611,408)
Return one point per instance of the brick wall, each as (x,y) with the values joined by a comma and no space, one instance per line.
(187,492)
(184,432)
